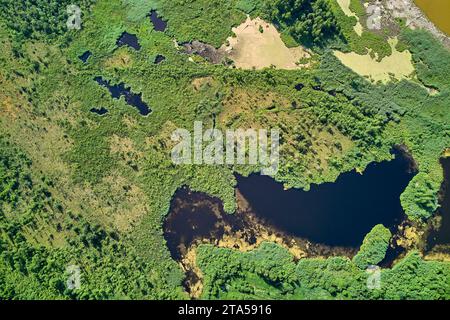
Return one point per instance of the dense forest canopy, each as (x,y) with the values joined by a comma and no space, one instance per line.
(308,21)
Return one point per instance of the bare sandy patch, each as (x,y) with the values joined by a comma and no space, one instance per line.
(258,45)
(345,6)
(398,65)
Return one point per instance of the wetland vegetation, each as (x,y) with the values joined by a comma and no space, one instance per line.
(94,191)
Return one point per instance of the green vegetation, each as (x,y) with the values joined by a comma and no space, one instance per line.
(370,41)
(374,247)
(209,21)
(41,238)
(250,6)
(80,189)
(41,19)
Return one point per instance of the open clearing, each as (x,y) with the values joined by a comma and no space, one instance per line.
(258,45)
(398,65)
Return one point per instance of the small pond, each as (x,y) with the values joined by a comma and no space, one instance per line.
(159,58)
(85,56)
(99,111)
(130,40)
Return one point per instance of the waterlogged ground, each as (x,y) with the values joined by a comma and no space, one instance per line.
(440,235)
(397,66)
(330,219)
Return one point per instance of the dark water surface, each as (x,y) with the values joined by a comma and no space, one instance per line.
(441,236)
(158,23)
(133,99)
(159,58)
(336,214)
(192,216)
(100,111)
(129,40)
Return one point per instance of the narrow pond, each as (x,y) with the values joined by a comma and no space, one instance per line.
(99,111)
(336,214)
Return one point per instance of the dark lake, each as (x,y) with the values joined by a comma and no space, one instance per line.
(133,99)
(129,39)
(441,236)
(158,23)
(336,214)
